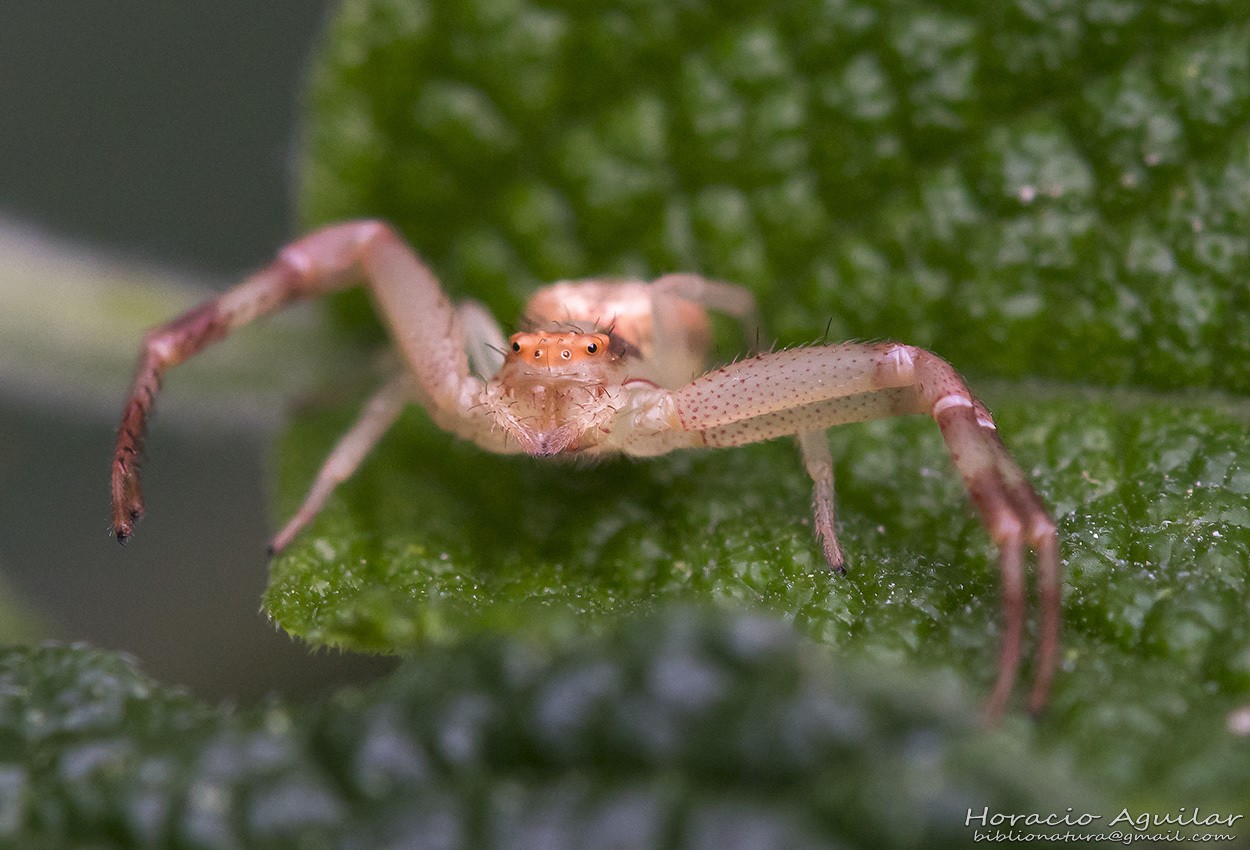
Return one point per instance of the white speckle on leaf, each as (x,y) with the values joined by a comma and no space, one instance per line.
(1239,721)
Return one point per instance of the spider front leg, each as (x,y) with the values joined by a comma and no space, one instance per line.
(803,391)
(423,323)
(375,420)
(484,345)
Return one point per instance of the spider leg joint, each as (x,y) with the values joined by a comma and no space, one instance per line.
(946,402)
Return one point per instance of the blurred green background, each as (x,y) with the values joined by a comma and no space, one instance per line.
(145,157)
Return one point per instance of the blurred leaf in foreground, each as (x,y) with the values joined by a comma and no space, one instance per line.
(687,730)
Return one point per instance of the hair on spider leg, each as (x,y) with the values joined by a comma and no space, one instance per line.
(824,338)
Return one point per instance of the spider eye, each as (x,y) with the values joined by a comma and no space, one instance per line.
(516,346)
(566,354)
(592,348)
(538,353)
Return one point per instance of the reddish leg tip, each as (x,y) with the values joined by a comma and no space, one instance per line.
(124,523)
(838,565)
(834,558)
(280,541)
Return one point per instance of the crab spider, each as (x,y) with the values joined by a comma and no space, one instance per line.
(616,366)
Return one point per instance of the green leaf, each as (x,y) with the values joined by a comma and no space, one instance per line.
(1052,189)
(681,731)
(434,540)
(1045,191)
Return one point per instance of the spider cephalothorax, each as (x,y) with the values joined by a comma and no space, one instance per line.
(556,391)
(637,388)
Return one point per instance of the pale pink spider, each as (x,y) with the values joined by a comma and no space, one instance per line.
(614,366)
